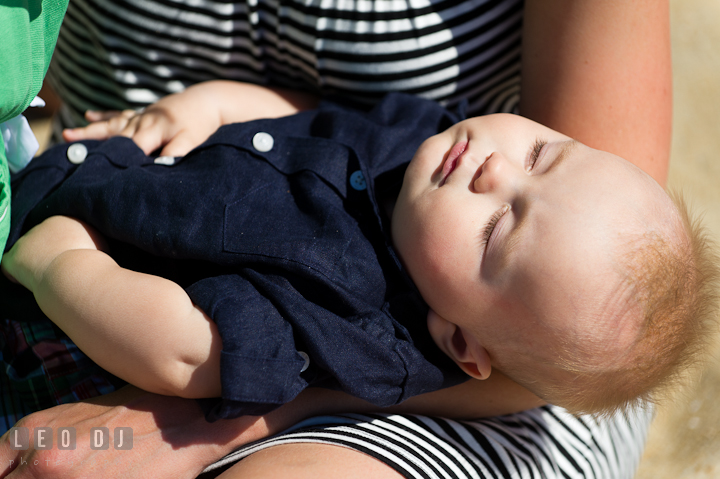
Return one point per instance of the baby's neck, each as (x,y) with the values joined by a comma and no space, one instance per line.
(388,205)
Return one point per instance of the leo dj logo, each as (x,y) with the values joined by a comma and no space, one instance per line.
(122,438)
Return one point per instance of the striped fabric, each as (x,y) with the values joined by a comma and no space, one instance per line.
(117,54)
(541,443)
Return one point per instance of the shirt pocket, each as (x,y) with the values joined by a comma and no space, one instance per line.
(296,219)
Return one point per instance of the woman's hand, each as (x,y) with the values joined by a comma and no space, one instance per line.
(179,122)
(170,438)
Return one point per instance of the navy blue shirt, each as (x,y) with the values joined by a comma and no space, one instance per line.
(275,230)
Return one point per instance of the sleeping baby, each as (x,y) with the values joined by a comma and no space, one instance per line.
(365,252)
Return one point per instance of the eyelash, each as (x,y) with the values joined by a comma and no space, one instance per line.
(535,153)
(491,224)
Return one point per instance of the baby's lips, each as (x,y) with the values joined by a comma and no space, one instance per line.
(452,159)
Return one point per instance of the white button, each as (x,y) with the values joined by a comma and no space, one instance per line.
(263,142)
(164,160)
(76,153)
(357,180)
(307,361)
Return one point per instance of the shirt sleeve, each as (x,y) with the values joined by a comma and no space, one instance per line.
(277,339)
(259,363)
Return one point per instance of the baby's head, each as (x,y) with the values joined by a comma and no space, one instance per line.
(567,268)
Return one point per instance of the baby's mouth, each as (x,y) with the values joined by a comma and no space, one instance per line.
(452,160)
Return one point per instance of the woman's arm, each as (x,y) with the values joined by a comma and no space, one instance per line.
(600,71)
(175,428)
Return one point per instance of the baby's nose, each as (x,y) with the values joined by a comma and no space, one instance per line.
(495,173)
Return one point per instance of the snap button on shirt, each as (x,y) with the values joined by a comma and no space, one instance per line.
(307,360)
(263,142)
(164,160)
(76,153)
(357,181)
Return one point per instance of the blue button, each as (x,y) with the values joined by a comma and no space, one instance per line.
(357,180)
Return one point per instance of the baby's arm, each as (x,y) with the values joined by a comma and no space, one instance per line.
(181,121)
(142,328)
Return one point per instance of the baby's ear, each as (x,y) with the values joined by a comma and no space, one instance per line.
(460,345)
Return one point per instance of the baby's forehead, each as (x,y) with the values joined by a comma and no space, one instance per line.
(506,120)
(613,193)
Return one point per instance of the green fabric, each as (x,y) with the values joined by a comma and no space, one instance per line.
(28,32)
(4,198)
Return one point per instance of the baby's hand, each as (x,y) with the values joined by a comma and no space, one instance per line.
(176,123)
(180,122)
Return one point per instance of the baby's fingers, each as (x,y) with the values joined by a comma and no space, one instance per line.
(99,115)
(181,144)
(157,129)
(104,125)
(149,134)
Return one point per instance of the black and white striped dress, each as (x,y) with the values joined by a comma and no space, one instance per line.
(544,443)
(117,54)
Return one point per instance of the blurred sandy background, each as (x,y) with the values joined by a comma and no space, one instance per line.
(684,441)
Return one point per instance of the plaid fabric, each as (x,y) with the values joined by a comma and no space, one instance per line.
(40,368)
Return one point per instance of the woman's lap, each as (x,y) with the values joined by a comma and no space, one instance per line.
(309,461)
(544,442)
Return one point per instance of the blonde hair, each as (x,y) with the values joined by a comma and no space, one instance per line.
(674,284)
